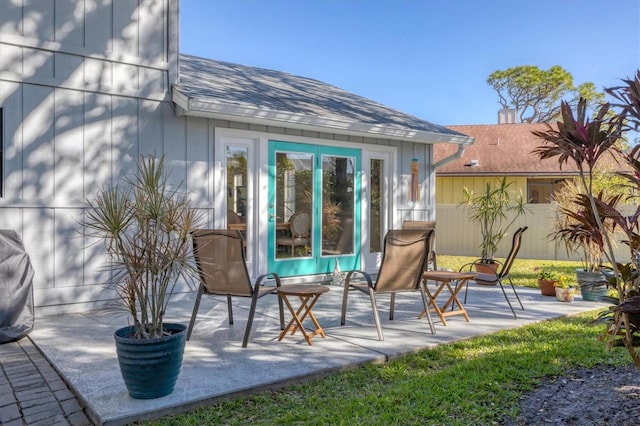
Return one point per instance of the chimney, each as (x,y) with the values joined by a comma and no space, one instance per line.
(507,116)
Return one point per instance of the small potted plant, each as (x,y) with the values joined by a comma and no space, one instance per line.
(565,288)
(495,210)
(546,281)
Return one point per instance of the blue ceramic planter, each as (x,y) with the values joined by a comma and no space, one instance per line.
(592,284)
(593,292)
(150,367)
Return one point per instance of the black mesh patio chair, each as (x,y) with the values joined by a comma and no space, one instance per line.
(501,273)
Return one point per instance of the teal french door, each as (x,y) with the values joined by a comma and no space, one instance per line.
(313,208)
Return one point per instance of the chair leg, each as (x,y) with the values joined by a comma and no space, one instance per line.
(252,311)
(392,303)
(376,317)
(425,302)
(466,289)
(345,295)
(507,299)
(281,311)
(455,287)
(516,293)
(230,309)
(196,306)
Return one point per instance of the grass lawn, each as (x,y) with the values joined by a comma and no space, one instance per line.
(476,381)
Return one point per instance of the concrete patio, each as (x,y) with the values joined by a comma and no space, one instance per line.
(81,346)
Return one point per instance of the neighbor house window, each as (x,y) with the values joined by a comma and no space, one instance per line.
(540,191)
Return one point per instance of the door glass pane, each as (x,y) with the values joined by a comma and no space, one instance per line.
(376,208)
(293,204)
(237,187)
(338,202)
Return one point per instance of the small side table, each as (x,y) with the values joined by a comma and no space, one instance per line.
(445,278)
(308,295)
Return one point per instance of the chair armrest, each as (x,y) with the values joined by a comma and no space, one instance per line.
(262,277)
(468,266)
(367,277)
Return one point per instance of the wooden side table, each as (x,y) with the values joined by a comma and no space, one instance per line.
(445,278)
(308,295)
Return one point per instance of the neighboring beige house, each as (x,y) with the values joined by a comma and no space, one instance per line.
(501,150)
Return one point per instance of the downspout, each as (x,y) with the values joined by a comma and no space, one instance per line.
(447,160)
(453,156)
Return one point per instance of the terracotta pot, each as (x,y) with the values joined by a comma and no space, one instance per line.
(486,268)
(546,287)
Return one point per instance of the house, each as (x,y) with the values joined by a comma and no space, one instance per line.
(500,150)
(503,150)
(87,87)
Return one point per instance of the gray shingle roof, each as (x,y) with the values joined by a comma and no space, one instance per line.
(213,88)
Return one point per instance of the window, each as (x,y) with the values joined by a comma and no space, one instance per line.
(540,191)
(236,183)
(376,206)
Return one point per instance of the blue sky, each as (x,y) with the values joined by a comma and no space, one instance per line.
(429,58)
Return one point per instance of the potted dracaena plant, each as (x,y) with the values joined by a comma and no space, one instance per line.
(145,226)
(494,210)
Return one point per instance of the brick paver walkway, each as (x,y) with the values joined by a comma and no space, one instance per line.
(31,390)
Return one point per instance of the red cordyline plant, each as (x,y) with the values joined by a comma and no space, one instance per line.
(627,312)
(579,229)
(583,141)
(623,319)
(628,96)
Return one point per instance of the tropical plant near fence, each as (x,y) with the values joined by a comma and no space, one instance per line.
(575,224)
(494,210)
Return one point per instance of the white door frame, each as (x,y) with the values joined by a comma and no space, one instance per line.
(370,262)
(223,140)
(257,200)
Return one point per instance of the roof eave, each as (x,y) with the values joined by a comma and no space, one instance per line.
(219,110)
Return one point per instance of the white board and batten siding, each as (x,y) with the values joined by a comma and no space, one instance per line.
(423,207)
(84,89)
